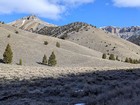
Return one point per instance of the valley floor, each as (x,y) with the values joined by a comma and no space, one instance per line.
(21,85)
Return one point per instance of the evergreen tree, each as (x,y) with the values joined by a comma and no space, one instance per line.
(44,60)
(130,60)
(20,62)
(104,56)
(8,55)
(52,60)
(45,42)
(127,60)
(135,61)
(111,57)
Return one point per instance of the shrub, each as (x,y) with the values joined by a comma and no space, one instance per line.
(9,36)
(52,60)
(106,45)
(58,44)
(104,56)
(45,42)
(111,57)
(64,36)
(44,60)
(117,58)
(113,49)
(8,55)
(16,32)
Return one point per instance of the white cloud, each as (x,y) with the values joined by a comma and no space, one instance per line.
(127,3)
(45,8)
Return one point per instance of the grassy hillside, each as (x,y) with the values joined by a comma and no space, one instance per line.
(30,48)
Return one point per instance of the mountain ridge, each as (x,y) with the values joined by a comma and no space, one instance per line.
(30,23)
(123,32)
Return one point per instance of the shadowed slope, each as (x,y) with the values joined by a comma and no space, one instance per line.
(117,87)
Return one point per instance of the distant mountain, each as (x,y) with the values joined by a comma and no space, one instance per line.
(135,38)
(125,32)
(30,23)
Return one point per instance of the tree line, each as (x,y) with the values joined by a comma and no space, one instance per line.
(127,60)
(8,57)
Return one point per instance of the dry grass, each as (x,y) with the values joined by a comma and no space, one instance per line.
(29,72)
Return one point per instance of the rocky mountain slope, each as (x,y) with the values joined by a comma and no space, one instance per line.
(30,23)
(135,38)
(131,34)
(125,32)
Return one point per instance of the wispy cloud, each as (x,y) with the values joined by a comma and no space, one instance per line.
(52,9)
(127,3)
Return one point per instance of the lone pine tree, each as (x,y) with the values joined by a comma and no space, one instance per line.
(44,60)
(111,57)
(8,55)
(52,60)
(127,60)
(130,60)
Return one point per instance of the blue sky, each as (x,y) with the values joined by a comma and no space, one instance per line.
(96,12)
